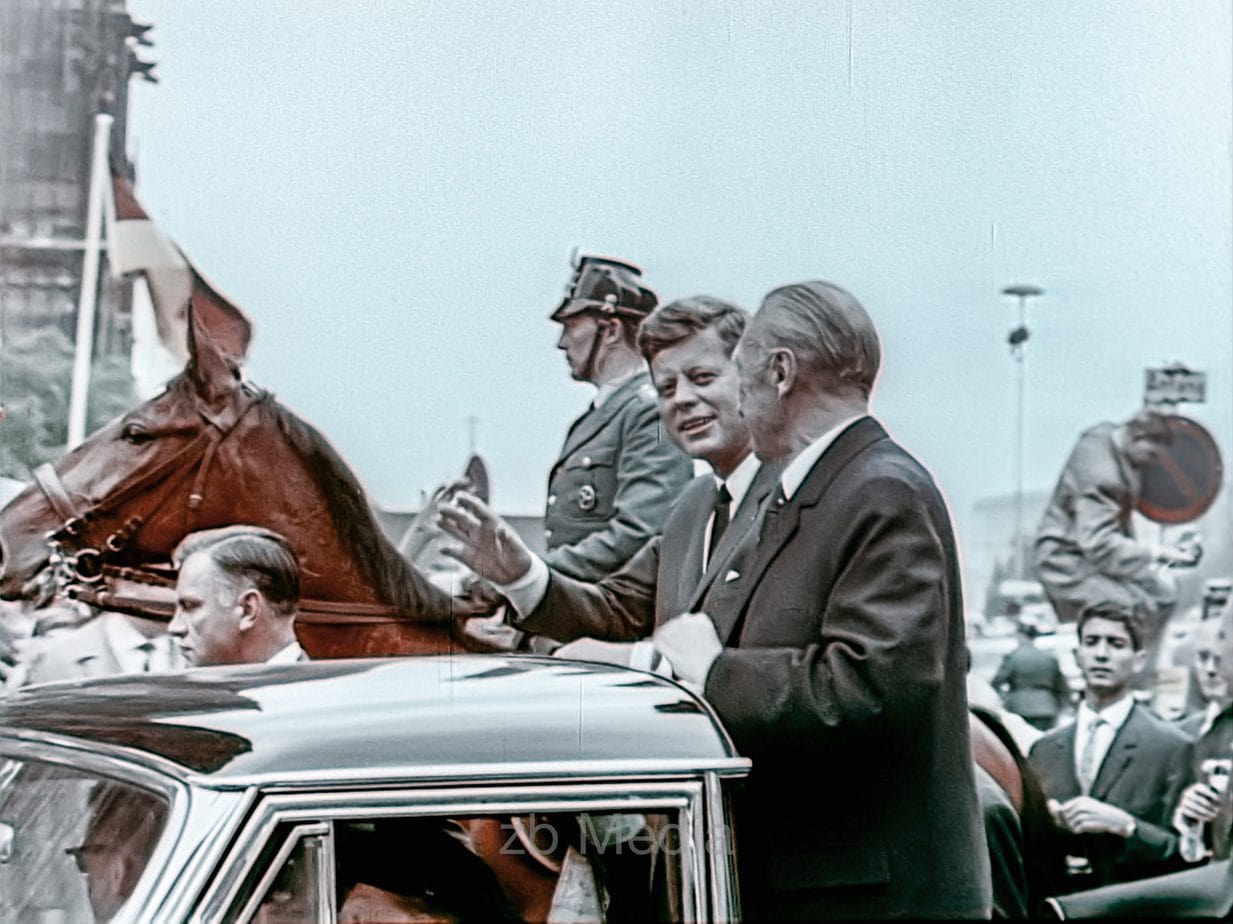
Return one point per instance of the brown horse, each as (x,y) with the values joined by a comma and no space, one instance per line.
(209,451)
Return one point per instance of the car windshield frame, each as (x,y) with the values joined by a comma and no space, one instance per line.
(92,762)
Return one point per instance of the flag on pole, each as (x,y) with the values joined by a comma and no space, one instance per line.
(135,244)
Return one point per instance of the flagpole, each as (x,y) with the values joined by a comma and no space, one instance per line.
(99,175)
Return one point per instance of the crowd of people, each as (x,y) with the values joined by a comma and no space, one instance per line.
(807,586)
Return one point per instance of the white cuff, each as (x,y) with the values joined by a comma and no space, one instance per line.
(644,657)
(528,591)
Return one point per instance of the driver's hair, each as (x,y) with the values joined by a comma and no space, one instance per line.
(257,556)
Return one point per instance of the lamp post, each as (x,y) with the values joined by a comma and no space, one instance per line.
(1017,339)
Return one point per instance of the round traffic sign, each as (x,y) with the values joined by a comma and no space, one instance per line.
(1185,478)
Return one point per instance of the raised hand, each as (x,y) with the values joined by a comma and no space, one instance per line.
(488,545)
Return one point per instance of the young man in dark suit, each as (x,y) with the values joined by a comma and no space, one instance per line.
(1114,775)
(835,656)
(688,344)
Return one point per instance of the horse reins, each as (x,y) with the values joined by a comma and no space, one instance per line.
(88,565)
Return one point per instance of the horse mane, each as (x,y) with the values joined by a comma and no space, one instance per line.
(1043,863)
(378,561)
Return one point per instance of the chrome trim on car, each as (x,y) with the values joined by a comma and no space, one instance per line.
(480,774)
(720,853)
(157,869)
(290,842)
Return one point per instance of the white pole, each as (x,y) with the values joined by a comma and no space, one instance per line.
(99,175)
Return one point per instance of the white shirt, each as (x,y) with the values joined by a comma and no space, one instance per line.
(738,484)
(1114,716)
(136,652)
(804,461)
(289,655)
(1215,707)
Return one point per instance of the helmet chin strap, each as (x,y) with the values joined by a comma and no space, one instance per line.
(588,367)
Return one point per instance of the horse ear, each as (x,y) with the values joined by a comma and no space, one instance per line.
(213,369)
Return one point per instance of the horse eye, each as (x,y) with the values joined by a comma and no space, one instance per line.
(135,434)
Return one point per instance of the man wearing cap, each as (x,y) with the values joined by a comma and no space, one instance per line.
(618,473)
(1031,680)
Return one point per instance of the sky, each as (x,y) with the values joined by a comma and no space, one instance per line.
(392,192)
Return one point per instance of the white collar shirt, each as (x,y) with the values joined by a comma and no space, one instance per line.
(1213,710)
(738,484)
(1113,718)
(804,461)
(136,652)
(289,655)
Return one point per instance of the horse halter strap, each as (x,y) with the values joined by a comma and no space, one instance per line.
(74,519)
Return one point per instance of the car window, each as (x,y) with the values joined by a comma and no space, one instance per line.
(594,866)
(73,845)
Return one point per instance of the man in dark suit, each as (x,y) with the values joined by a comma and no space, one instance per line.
(688,344)
(237,595)
(835,654)
(1113,776)
(1204,802)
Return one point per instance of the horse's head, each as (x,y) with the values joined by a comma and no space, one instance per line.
(144,464)
(210,451)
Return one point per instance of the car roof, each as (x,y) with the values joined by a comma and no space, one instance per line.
(431,717)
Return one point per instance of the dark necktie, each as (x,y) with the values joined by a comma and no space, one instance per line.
(720,522)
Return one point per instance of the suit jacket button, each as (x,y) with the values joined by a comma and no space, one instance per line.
(586,460)
(552,499)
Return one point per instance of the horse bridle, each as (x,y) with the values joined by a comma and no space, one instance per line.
(76,567)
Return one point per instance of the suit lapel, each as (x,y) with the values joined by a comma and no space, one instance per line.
(743,521)
(1064,757)
(775,529)
(691,563)
(594,420)
(1121,755)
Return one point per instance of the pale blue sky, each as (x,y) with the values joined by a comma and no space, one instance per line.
(392,189)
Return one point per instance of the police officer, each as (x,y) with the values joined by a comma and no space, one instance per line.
(618,473)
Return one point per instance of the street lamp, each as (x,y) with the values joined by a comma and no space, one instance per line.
(1017,339)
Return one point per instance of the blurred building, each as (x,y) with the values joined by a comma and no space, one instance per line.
(61,62)
(989,547)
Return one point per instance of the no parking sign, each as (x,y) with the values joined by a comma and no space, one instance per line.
(1185,478)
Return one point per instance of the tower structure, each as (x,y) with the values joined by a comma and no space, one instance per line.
(61,63)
